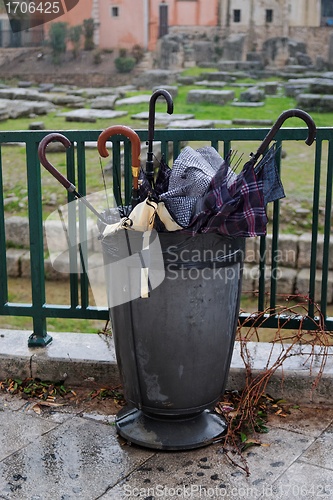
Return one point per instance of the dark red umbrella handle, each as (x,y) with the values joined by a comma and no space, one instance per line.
(44,161)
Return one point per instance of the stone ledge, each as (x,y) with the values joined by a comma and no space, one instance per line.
(80,359)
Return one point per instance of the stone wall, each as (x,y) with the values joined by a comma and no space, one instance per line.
(181,47)
(293,259)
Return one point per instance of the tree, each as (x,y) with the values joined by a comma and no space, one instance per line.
(75,33)
(88,32)
(57,40)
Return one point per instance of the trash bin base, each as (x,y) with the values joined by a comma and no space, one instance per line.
(170,434)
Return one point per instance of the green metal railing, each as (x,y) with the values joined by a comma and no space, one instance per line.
(223,140)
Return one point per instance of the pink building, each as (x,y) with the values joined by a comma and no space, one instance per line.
(124,23)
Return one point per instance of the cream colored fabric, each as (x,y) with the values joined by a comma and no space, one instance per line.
(142,218)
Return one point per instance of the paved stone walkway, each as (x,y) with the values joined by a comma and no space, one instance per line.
(62,454)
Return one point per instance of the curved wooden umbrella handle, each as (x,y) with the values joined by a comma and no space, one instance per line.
(135,144)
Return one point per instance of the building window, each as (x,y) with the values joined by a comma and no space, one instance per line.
(114,11)
(269,15)
(237,15)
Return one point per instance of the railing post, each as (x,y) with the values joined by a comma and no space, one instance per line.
(3,263)
(39,337)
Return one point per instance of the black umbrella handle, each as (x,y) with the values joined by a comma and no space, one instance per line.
(45,162)
(151,128)
(290,113)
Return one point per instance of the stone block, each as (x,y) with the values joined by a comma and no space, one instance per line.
(172,89)
(321,86)
(104,102)
(286,280)
(303,284)
(252,250)
(14,257)
(315,102)
(156,77)
(218,97)
(304,251)
(91,115)
(287,251)
(25,265)
(253,94)
(248,279)
(191,124)
(37,126)
(17,231)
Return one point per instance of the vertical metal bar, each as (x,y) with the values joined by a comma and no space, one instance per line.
(72,231)
(327,230)
(215,144)
(165,151)
(226,148)
(116,170)
(262,265)
(83,236)
(176,149)
(39,337)
(127,172)
(315,219)
(3,263)
(275,240)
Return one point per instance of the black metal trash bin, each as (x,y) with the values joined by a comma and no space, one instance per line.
(174,348)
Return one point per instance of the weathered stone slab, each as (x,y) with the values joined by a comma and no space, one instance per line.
(218,76)
(270,88)
(137,99)
(321,86)
(303,284)
(293,89)
(46,87)
(14,256)
(162,118)
(17,231)
(67,100)
(252,94)
(91,115)
(92,92)
(247,122)
(37,126)
(17,109)
(105,102)
(186,80)
(218,97)
(172,89)
(23,94)
(24,84)
(4,115)
(192,124)
(315,102)
(156,77)
(240,104)
(211,84)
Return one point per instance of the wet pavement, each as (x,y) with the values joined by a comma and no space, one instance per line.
(62,454)
(69,452)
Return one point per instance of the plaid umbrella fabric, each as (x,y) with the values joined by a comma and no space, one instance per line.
(239,209)
(203,194)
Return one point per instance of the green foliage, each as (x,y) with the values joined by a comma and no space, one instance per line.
(123,62)
(58,40)
(88,32)
(75,33)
